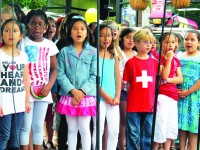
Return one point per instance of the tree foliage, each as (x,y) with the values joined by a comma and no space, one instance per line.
(30,4)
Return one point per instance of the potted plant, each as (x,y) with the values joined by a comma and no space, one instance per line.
(180,3)
(139,4)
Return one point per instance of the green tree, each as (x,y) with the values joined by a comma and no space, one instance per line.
(30,4)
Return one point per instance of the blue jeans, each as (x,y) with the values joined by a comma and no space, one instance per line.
(138,130)
(9,130)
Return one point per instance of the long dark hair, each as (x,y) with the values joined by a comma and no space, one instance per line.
(69,39)
(111,47)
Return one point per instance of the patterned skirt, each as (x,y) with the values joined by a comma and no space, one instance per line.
(87,107)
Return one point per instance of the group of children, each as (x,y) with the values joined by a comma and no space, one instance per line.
(127,85)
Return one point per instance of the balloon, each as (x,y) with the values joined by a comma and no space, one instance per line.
(91,15)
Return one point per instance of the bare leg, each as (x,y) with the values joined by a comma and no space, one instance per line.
(45,133)
(182,139)
(121,139)
(172,143)
(156,146)
(30,146)
(167,144)
(55,138)
(192,141)
(25,147)
(49,123)
(37,147)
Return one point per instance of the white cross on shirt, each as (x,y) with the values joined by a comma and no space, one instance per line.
(144,79)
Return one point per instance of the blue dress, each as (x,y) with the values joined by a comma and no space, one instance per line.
(188,108)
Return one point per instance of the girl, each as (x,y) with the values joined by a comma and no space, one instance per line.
(77,79)
(166,127)
(188,105)
(49,132)
(117,51)
(6,13)
(15,85)
(42,58)
(126,44)
(109,89)
(61,119)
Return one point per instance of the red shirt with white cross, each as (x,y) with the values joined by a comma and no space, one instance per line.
(141,76)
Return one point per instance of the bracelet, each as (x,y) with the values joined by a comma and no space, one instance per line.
(164,81)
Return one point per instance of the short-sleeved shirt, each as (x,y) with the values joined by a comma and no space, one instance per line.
(11,81)
(39,54)
(170,89)
(141,76)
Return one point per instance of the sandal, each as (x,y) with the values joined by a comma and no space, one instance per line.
(173,148)
(50,146)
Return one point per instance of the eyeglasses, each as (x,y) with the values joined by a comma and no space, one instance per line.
(34,25)
(146,42)
(114,27)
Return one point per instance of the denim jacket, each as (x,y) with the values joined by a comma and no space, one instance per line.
(76,71)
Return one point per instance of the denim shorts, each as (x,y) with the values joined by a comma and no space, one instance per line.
(123,95)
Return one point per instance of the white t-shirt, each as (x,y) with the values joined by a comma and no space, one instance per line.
(11,80)
(39,54)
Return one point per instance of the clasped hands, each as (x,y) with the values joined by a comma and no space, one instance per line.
(78,96)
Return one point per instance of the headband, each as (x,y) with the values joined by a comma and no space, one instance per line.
(78,17)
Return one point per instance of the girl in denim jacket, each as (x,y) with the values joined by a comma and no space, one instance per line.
(77,68)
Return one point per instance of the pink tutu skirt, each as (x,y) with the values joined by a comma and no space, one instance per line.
(87,107)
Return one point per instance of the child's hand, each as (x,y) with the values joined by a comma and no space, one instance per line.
(169,55)
(115,101)
(183,93)
(78,94)
(27,107)
(45,90)
(1,111)
(108,99)
(74,101)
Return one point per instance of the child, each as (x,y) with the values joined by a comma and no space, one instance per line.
(7,13)
(60,122)
(153,51)
(117,51)
(48,133)
(126,44)
(42,59)
(15,85)
(188,105)
(77,79)
(110,87)
(166,126)
(140,77)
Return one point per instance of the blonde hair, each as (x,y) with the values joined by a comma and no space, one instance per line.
(8,10)
(143,34)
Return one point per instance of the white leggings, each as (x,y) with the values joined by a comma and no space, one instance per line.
(111,113)
(81,123)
